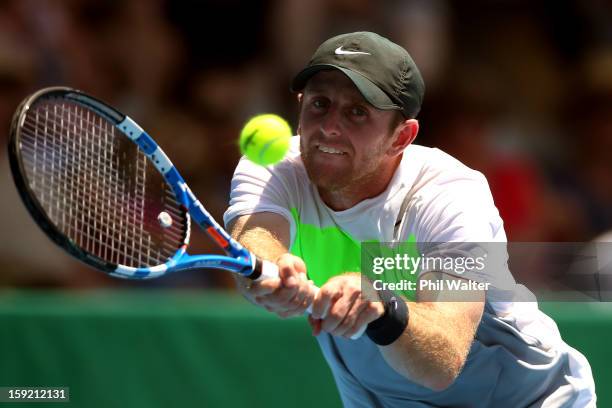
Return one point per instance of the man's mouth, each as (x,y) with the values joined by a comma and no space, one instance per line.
(330,150)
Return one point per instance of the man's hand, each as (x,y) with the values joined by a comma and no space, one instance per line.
(288,295)
(342,307)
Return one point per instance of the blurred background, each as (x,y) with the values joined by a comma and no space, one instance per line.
(517,89)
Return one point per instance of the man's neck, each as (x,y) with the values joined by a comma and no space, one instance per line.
(368,187)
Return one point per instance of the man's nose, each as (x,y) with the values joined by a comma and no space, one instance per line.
(330,125)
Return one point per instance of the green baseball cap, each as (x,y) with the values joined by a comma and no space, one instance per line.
(382,71)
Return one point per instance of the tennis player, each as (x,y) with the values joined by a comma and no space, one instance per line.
(353,174)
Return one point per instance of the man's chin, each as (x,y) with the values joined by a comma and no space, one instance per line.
(327,172)
(326,177)
(329,183)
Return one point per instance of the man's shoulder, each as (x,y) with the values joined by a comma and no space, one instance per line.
(433,169)
(449,201)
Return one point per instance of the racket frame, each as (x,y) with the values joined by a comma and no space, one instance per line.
(237,259)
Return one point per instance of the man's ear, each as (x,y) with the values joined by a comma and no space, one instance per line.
(300,99)
(404,135)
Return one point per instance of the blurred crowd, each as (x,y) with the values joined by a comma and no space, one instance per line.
(519,90)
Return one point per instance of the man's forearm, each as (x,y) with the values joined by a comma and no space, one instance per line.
(434,346)
(263,234)
(262,243)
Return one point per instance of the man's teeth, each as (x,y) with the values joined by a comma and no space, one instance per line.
(330,150)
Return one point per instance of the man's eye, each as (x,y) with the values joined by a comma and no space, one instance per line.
(319,104)
(357,111)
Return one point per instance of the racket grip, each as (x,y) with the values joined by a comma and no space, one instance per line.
(270,270)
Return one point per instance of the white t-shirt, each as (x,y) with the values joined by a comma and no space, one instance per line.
(445,202)
(440,185)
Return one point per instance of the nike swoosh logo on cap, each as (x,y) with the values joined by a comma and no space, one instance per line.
(340,51)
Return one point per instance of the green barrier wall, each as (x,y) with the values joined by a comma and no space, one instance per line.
(197,349)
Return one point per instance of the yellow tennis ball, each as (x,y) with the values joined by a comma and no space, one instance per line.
(265,139)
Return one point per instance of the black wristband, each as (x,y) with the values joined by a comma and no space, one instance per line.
(390,326)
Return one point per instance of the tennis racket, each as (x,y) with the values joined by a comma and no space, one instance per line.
(103,190)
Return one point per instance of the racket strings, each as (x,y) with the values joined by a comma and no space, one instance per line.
(97,187)
(27,145)
(120,227)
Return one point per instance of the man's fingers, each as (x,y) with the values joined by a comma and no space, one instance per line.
(339,310)
(290,266)
(291,261)
(297,305)
(292,273)
(284,295)
(368,313)
(322,302)
(303,298)
(288,302)
(288,294)
(263,287)
(349,319)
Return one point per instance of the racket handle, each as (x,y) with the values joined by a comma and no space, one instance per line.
(270,270)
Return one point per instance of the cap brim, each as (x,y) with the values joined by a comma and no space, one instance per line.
(370,91)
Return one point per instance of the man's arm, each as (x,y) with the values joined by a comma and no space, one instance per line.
(433,347)
(267,235)
(431,351)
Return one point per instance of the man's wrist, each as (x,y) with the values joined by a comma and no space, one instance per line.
(389,327)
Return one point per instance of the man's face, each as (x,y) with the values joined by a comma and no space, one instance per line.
(344,140)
